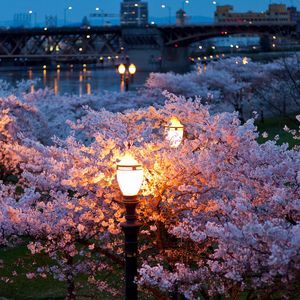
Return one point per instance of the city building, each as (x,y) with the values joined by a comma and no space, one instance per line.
(22,20)
(134,13)
(276,13)
(294,13)
(181,17)
(50,21)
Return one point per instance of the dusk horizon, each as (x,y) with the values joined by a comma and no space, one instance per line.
(194,8)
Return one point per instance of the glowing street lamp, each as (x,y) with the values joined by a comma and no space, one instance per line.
(185,2)
(132,69)
(122,69)
(245,60)
(69,8)
(169,9)
(130,178)
(125,71)
(174,131)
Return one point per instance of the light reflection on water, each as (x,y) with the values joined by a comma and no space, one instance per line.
(73,81)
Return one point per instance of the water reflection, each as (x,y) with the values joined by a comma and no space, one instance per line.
(72,80)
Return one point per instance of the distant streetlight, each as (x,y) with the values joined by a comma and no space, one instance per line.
(69,8)
(184,3)
(132,69)
(34,15)
(169,9)
(126,72)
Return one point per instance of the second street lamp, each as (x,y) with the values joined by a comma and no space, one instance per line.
(174,132)
(130,178)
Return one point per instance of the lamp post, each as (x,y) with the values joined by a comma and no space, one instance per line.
(65,14)
(174,132)
(30,12)
(126,72)
(130,178)
(169,9)
(185,2)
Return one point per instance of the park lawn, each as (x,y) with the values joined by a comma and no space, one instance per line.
(274,126)
(20,260)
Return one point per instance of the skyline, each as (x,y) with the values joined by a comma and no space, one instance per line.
(204,8)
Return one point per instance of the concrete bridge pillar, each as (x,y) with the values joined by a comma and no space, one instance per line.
(145,48)
(160,60)
(175,59)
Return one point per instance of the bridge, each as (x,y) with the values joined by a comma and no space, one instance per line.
(152,47)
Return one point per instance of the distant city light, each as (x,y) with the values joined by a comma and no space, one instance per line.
(152,23)
(200,47)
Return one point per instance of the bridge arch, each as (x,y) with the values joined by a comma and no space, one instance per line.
(186,35)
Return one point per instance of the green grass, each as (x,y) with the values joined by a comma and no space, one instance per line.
(20,260)
(274,126)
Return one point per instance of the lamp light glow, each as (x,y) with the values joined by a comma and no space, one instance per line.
(129,175)
(174,132)
(132,69)
(245,61)
(122,69)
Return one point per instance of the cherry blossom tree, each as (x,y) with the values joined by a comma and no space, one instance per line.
(221,212)
(239,84)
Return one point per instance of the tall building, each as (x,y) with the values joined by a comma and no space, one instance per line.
(294,13)
(134,13)
(50,21)
(181,17)
(22,20)
(276,13)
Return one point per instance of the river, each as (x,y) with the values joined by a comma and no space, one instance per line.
(77,81)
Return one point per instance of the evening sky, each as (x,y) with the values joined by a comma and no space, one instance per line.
(85,7)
